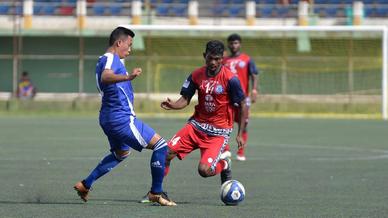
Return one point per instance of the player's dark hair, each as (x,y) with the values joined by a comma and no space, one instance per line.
(215,47)
(234,37)
(118,33)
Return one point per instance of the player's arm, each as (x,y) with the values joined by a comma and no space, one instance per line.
(254,77)
(109,77)
(187,91)
(181,103)
(237,97)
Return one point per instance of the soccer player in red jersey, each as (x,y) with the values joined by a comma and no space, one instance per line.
(219,92)
(243,66)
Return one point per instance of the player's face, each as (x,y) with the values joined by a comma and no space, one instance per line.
(234,46)
(213,62)
(125,47)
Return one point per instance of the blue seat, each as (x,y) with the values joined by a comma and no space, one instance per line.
(48,10)
(334,1)
(269,1)
(282,11)
(115,9)
(179,11)
(162,10)
(382,12)
(382,1)
(4,9)
(238,1)
(98,9)
(266,12)
(235,11)
(318,10)
(218,10)
(348,1)
(37,8)
(369,12)
(224,2)
(368,1)
(331,12)
(319,2)
(183,1)
(18,10)
(294,1)
(167,1)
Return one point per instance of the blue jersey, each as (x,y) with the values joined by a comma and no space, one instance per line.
(117,98)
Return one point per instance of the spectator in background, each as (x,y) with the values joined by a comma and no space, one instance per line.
(25,89)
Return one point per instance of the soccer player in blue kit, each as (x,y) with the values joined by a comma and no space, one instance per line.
(119,122)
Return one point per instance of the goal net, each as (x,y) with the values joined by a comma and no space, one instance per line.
(303,70)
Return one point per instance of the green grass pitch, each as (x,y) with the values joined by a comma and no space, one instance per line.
(295,168)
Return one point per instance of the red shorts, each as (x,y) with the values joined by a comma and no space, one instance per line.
(189,139)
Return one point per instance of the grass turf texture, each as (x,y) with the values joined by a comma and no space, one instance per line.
(295,168)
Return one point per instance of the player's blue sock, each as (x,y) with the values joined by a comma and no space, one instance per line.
(158,161)
(106,165)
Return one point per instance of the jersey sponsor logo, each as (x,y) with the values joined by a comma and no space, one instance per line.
(210,87)
(210,106)
(209,97)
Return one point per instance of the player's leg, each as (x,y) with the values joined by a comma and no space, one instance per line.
(170,155)
(227,153)
(211,162)
(177,147)
(241,151)
(142,136)
(118,153)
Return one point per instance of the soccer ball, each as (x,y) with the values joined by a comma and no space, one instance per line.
(232,192)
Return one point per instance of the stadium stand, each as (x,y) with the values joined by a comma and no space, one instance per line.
(216,8)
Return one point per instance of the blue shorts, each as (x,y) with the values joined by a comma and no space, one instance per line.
(133,134)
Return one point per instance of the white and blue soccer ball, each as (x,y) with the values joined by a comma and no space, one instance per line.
(232,192)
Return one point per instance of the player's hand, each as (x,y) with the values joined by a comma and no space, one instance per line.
(135,72)
(254,95)
(240,142)
(167,104)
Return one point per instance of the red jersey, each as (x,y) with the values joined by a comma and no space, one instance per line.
(241,65)
(216,96)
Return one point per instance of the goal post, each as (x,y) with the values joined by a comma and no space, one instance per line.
(304,69)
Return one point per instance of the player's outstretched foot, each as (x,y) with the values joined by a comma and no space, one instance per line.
(226,174)
(82,191)
(241,157)
(145,199)
(158,198)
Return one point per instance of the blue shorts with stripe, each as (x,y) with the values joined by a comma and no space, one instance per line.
(133,134)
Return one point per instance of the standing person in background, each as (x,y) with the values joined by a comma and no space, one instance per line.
(119,122)
(244,67)
(25,90)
